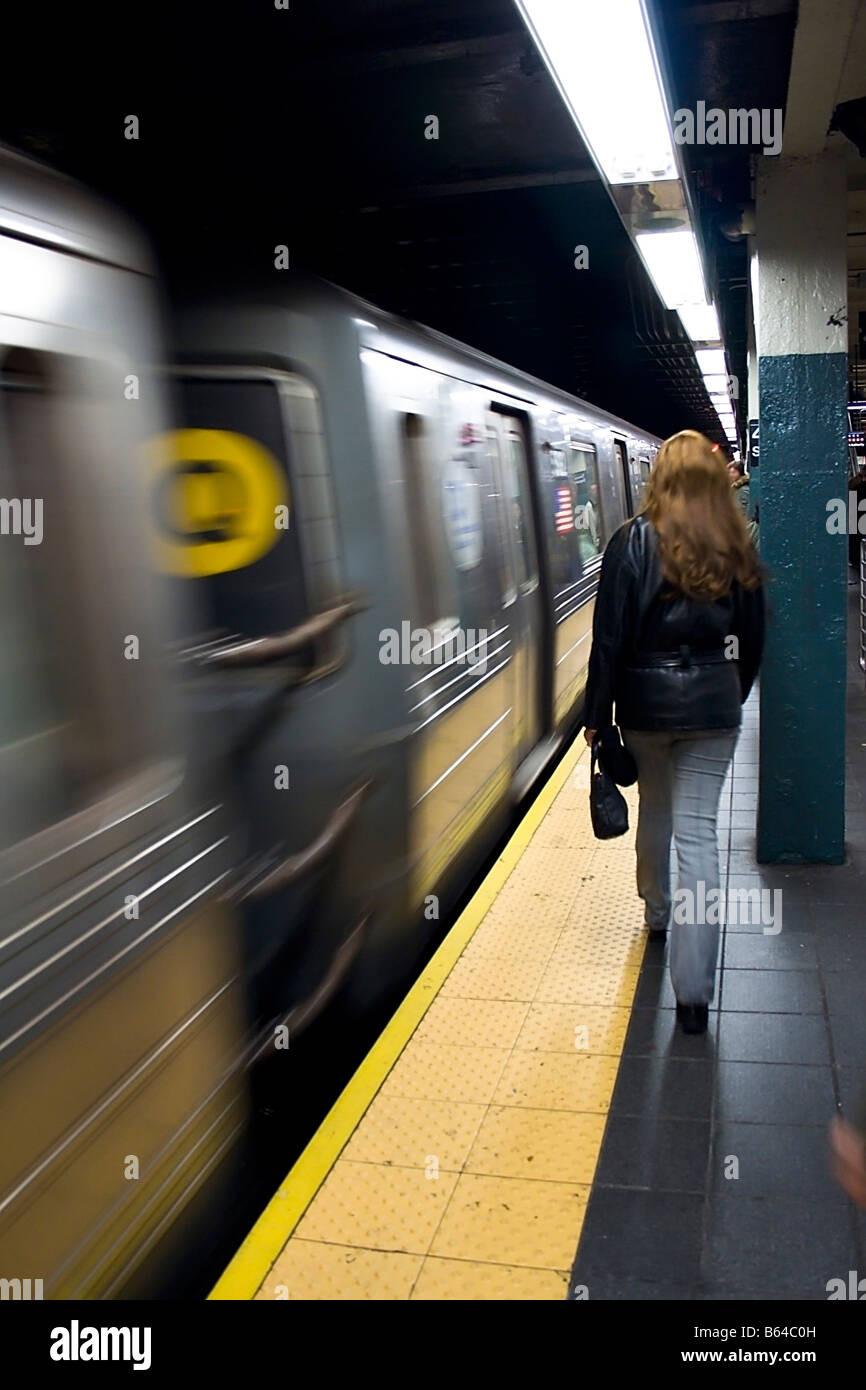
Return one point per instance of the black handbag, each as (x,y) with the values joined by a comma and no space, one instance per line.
(607,805)
(615,757)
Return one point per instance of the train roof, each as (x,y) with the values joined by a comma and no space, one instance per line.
(443,340)
(307,292)
(48,209)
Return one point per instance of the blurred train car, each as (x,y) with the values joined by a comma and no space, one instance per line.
(122,1008)
(439,518)
(379,552)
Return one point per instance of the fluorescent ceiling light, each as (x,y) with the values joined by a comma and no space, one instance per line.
(711,360)
(701,322)
(715,383)
(602,60)
(720,402)
(674,265)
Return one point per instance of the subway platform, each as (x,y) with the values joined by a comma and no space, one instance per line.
(532,1125)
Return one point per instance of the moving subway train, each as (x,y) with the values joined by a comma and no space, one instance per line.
(285,632)
(423,489)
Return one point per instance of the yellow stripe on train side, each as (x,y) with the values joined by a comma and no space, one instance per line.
(221,501)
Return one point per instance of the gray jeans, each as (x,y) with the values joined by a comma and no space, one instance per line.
(680,777)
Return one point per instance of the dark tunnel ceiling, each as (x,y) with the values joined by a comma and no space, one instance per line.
(306,127)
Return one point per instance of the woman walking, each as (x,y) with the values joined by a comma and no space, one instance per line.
(677,640)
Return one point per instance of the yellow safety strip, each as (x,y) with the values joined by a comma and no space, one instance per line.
(249,1267)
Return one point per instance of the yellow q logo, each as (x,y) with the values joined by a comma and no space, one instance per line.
(216,500)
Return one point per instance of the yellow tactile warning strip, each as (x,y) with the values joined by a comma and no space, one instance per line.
(458,1161)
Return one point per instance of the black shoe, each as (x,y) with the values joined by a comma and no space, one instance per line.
(658,933)
(693,1017)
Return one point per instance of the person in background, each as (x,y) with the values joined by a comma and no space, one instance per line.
(740,484)
(677,640)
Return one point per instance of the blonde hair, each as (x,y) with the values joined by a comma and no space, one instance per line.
(704,544)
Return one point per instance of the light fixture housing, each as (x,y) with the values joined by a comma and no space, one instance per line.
(715,383)
(674,265)
(701,322)
(604,62)
(624,121)
(711,361)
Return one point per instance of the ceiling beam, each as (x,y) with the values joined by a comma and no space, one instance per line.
(821,43)
(496,184)
(852,84)
(732,12)
(510,44)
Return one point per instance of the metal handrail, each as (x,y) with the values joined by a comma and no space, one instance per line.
(295,866)
(261,651)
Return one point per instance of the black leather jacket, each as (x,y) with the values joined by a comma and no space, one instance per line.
(664,659)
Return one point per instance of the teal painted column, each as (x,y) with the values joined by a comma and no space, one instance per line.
(751,386)
(802,379)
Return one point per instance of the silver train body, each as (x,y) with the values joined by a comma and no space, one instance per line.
(462,508)
(310,614)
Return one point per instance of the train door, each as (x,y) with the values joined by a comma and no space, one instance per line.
(510,460)
(622,456)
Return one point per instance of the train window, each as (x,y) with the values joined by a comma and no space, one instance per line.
(433,599)
(230,486)
(636,473)
(33,718)
(565,562)
(507,578)
(587,504)
(519,507)
(67,695)
(314,496)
